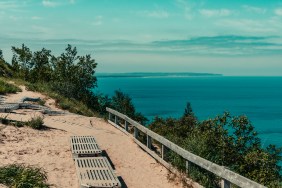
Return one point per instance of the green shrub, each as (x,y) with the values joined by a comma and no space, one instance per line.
(8,88)
(5,68)
(41,102)
(18,123)
(4,120)
(36,123)
(20,176)
(226,140)
(72,105)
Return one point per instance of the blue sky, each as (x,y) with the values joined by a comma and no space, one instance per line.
(242,37)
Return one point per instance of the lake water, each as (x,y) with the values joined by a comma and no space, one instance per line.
(260,98)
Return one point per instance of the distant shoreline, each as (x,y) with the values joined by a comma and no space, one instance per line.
(153,74)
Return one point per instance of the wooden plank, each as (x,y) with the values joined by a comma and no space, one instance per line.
(225,184)
(8,107)
(126,126)
(84,146)
(119,128)
(187,166)
(116,120)
(149,142)
(135,132)
(163,152)
(96,172)
(201,162)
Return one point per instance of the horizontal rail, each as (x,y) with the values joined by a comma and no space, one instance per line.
(216,169)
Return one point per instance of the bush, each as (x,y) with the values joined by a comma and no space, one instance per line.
(5,68)
(18,123)
(225,140)
(8,88)
(123,103)
(21,176)
(72,105)
(36,123)
(41,102)
(4,120)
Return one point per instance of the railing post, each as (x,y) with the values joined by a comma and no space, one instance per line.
(163,151)
(126,126)
(135,132)
(187,167)
(225,184)
(149,142)
(110,116)
(115,119)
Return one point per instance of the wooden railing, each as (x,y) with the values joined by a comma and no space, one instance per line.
(228,177)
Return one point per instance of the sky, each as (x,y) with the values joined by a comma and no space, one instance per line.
(242,37)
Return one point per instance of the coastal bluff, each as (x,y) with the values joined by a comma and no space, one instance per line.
(49,149)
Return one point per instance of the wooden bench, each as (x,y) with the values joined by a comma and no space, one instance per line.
(94,172)
(2,99)
(8,107)
(84,146)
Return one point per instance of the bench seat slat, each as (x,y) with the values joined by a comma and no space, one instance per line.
(96,172)
(84,146)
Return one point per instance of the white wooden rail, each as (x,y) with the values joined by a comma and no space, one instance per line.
(228,177)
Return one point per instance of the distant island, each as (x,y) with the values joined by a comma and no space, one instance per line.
(155,74)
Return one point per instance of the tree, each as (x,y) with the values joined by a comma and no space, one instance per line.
(188,110)
(226,140)
(21,61)
(41,66)
(73,75)
(123,103)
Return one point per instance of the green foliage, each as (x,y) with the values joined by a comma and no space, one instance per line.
(41,67)
(103,101)
(36,123)
(73,75)
(72,105)
(21,176)
(41,102)
(225,140)
(4,120)
(8,88)
(68,78)
(5,68)
(188,110)
(68,75)
(18,123)
(22,61)
(123,103)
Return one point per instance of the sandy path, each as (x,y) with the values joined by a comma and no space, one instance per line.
(45,149)
(51,150)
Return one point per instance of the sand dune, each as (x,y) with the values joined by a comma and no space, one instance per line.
(50,149)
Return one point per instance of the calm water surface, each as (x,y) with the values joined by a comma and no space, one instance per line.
(260,98)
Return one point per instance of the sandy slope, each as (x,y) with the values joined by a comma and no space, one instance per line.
(50,148)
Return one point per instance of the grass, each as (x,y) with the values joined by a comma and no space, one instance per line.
(71,105)
(4,120)
(21,176)
(41,102)
(5,69)
(36,123)
(8,88)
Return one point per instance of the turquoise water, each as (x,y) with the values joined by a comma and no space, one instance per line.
(260,98)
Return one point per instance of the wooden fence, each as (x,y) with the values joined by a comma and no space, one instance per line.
(228,177)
